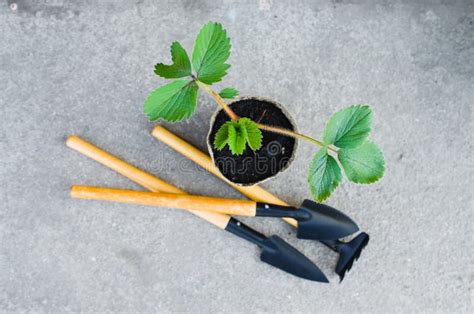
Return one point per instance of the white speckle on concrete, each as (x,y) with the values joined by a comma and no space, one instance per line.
(265,5)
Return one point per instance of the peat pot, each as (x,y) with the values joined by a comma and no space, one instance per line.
(275,155)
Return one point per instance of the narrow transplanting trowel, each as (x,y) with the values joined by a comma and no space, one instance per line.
(315,221)
(275,251)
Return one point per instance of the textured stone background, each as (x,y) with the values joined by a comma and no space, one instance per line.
(85,67)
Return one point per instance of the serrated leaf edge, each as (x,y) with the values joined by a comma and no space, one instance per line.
(370,181)
(353,106)
(311,188)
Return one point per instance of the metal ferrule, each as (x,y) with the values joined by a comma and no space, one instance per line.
(271,210)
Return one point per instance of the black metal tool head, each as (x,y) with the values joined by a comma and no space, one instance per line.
(323,222)
(278,253)
(350,252)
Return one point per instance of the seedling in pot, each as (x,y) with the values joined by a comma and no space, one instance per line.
(345,141)
(275,153)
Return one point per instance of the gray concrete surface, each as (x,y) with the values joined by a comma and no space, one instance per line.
(86,67)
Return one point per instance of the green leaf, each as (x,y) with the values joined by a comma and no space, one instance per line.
(172,102)
(236,139)
(237,134)
(324,175)
(211,51)
(222,135)
(229,93)
(181,66)
(232,132)
(238,146)
(349,127)
(254,135)
(363,164)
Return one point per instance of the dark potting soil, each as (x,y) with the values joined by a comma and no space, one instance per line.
(275,153)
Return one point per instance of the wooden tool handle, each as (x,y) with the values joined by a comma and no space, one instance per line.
(188,202)
(254,192)
(139,176)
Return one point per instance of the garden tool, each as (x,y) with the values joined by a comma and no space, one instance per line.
(315,221)
(274,250)
(348,251)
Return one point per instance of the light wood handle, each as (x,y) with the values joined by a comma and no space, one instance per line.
(139,176)
(187,202)
(254,192)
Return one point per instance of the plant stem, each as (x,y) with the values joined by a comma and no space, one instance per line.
(265,127)
(293,134)
(219,100)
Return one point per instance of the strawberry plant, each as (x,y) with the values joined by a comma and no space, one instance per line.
(345,141)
